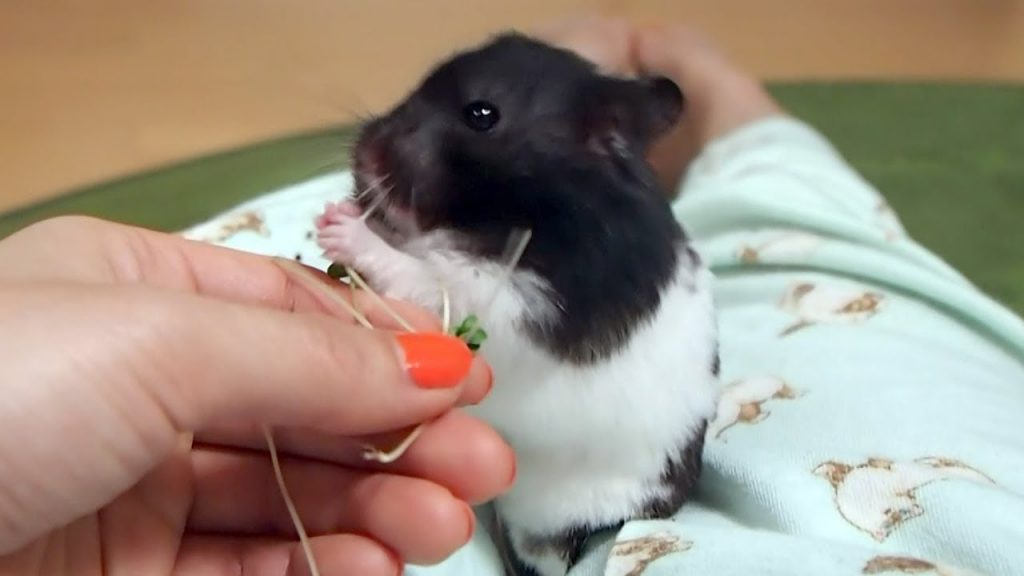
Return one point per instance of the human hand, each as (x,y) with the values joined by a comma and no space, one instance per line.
(138,369)
(604,41)
(720,97)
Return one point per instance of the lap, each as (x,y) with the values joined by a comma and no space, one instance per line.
(869,421)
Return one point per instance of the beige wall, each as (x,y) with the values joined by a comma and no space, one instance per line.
(97,89)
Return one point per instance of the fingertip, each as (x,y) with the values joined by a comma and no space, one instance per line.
(461,453)
(488,462)
(478,384)
(453,523)
(345,554)
(470,523)
(433,359)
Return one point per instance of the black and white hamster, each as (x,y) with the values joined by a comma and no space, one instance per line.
(603,338)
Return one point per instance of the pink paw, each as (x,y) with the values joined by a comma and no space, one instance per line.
(333,211)
(343,235)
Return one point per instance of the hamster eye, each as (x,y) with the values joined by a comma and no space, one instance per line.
(481,116)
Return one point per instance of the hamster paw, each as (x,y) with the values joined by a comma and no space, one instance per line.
(344,236)
(333,211)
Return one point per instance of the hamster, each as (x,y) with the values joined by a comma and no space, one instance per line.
(603,338)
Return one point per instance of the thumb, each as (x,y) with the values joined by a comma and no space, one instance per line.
(101,381)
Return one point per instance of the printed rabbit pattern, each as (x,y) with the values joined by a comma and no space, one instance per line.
(908,565)
(820,304)
(743,400)
(774,247)
(632,557)
(879,495)
(873,497)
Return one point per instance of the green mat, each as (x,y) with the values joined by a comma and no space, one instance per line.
(950,159)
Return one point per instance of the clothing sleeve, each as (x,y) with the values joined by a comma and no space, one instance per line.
(776,194)
(871,396)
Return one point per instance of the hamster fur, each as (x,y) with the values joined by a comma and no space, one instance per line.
(603,339)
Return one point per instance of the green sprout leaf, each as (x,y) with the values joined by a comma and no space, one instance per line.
(471,333)
(468,325)
(476,338)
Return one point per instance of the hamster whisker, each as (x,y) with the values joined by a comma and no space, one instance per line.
(364,118)
(515,247)
(377,203)
(321,160)
(376,183)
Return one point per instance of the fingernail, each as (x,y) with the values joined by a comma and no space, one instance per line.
(434,359)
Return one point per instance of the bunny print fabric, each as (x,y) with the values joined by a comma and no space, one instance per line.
(870,416)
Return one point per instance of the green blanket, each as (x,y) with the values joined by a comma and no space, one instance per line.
(947,157)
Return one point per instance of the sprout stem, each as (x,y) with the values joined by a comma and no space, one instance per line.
(307,548)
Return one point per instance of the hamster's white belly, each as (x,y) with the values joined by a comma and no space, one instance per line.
(592,442)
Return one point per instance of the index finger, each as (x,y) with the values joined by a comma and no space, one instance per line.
(82,249)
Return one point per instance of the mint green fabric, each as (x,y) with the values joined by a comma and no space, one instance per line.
(870,415)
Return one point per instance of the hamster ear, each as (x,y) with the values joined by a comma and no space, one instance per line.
(619,113)
(667,103)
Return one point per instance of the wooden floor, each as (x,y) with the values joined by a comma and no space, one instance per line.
(98,89)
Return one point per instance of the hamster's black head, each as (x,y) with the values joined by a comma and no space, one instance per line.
(518,134)
(492,136)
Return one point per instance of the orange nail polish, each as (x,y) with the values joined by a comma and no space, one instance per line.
(434,359)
